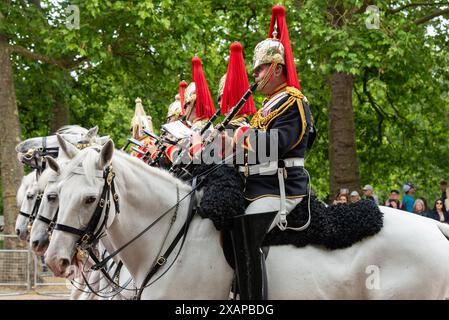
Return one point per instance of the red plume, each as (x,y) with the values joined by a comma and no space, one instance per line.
(236,83)
(278,14)
(204,103)
(182,90)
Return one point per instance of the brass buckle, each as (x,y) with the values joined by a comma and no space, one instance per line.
(110,176)
(85,238)
(161,261)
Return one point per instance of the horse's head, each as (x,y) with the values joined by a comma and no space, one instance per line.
(28,208)
(39,236)
(79,187)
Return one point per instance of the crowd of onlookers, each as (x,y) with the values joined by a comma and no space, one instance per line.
(438,211)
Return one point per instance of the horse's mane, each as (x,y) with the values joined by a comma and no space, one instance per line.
(88,159)
(72,129)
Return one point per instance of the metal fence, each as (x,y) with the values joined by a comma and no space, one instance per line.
(15,266)
(21,269)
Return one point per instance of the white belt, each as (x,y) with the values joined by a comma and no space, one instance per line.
(271,167)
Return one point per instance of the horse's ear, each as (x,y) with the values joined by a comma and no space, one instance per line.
(92,132)
(53,164)
(106,154)
(69,149)
(102,140)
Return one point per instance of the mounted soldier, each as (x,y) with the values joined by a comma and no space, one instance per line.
(199,108)
(276,187)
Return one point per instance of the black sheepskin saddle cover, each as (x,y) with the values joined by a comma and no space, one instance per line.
(334,227)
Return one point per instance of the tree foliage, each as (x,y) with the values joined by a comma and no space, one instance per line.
(128,49)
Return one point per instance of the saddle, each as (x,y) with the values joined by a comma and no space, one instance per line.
(333,227)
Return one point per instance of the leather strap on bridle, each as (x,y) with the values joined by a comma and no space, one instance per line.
(181,234)
(88,236)
(36,206)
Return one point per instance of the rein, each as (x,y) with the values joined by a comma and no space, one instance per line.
(88,236)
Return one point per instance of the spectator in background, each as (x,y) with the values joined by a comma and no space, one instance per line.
(368,191)
(439,212)
(408,201)
(354,196)
(420,207)
(341,198)
(394,195)
(392,203)
(443,188)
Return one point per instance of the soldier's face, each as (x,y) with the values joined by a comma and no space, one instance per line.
(260,72)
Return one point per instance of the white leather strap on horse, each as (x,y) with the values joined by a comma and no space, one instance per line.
(270,168)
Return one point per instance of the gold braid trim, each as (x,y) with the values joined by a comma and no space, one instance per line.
(263,123)
(238,122)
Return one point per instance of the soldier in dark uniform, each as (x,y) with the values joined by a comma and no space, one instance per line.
(199,108)
(275,187)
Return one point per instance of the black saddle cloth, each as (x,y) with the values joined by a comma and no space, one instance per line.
(334,227)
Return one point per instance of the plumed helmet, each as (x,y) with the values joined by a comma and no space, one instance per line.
(175,108)
(190,93)
(267,51)
(276,49)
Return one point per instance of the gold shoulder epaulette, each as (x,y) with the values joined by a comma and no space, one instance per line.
(292,91)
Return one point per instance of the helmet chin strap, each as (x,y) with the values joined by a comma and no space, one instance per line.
(277,59)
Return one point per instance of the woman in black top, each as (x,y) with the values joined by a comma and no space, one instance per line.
(439,212)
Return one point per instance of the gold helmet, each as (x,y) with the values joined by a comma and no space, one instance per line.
(267,51)
(190,93)
(277,49)
(221,85)
(175,108)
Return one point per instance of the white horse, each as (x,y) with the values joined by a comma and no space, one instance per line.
(393,264)
(73,134)
(39,239)
(24,184)
(28,205)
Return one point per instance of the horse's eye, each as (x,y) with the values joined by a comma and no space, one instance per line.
(90,199)
(51,197)
(30,196)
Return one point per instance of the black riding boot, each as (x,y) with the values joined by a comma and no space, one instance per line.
(247,236)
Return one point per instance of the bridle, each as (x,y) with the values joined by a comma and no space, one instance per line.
(33,155)
(31,216)
(88,236)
